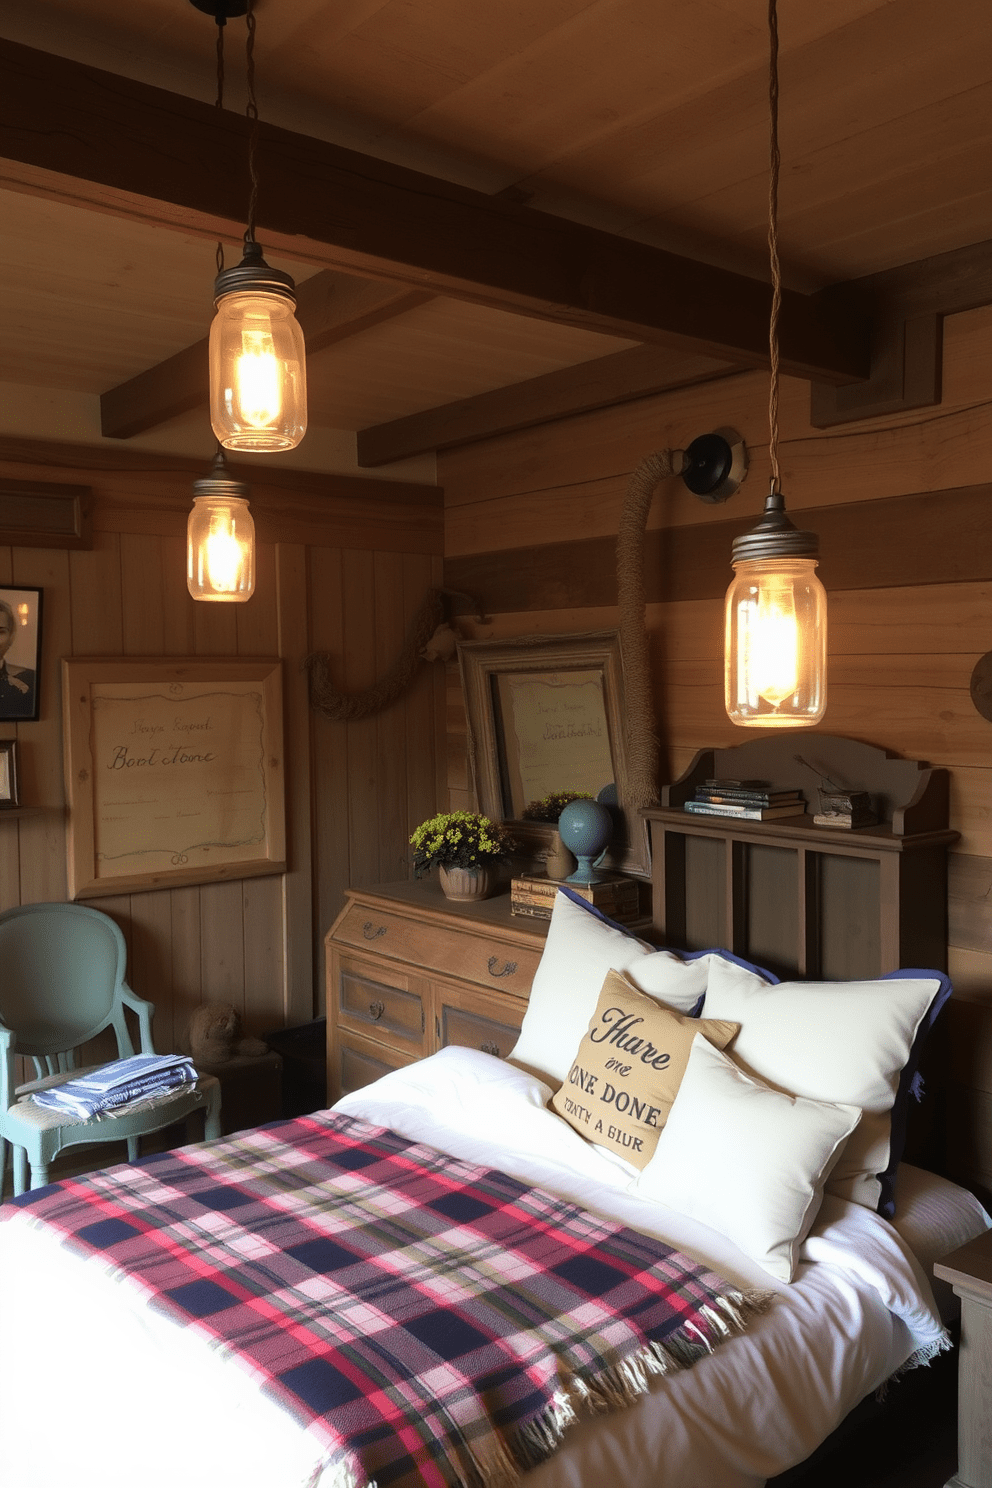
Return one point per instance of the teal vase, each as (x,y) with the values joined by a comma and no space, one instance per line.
(585,828)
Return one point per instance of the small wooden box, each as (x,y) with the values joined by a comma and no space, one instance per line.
(617,897)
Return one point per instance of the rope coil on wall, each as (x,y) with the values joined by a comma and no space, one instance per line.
(641,729)
(328,699)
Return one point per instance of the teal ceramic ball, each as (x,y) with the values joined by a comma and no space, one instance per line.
(585,828)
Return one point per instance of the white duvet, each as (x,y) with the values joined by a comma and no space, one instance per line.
(96,1391)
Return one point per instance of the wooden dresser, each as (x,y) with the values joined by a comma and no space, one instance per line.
(408,972)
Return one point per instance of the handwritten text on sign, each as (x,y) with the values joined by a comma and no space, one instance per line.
(557,737)
(181,777)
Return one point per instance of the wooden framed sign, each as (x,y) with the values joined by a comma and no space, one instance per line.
(174,772)
(546,713)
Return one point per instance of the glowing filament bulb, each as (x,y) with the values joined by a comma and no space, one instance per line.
(224,556)
(259,380)
(220,539)
(774,641)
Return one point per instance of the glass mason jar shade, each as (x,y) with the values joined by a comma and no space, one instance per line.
(776,644)
(220,549)
(258,375)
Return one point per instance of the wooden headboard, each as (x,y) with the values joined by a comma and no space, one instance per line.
(804,899)
(834,904)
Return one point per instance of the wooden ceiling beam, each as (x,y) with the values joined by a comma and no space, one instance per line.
(97,140)
(329,308)
(600,383)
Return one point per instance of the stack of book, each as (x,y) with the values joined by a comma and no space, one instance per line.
(617,897)
(751,800)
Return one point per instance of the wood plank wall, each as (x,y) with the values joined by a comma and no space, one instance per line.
(531,520)
(343,565)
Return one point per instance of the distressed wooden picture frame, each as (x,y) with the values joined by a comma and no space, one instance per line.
(20,654)
(491,669)
(9,789)
(174,772)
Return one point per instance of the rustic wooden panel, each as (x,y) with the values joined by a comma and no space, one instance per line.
(971,809)
(179,617)
(45,514)
(391,632)
(360,671)
(904,453)
(970,1045)
(970,971)
(222,943)
(41,837)
(329,750)
(95,598)
(302,948)
(264,1005)
(187,976)
(902,540)
(142,595)
(150,962)
(215,629)
(969,902)
(424,739)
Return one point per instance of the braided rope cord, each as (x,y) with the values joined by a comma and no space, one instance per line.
(640,725)
(328,699)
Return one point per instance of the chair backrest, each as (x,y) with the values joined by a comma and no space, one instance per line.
(61,971)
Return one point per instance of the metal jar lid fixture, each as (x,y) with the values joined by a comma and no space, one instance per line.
(253,275)
(774,536)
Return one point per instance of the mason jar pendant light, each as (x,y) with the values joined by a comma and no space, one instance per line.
(220,538)
(258,377)
(775,673)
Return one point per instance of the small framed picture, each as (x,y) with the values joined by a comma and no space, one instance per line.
(20,654)
(8,773)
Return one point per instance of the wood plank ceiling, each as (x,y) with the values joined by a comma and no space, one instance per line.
(646,119)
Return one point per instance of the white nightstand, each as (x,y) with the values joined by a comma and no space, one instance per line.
(969,1270)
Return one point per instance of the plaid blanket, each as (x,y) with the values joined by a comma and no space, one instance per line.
(426,1320)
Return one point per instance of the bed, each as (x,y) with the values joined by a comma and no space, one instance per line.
(844,1298)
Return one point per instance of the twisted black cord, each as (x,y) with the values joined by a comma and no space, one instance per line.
(775,164)
(251,111)
(221,23)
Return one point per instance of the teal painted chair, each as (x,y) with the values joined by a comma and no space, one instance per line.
(61,983)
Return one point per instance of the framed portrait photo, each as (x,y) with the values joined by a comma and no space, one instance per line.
(20,654)
(8,774)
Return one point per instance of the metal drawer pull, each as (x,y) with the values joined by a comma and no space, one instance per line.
(509,967)
(372,932)
(490,1048)
(376,1010)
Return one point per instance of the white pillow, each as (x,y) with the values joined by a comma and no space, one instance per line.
(744,1159)
(580,949)
(853,1042)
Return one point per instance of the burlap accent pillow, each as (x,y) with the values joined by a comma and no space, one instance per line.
(628,1068)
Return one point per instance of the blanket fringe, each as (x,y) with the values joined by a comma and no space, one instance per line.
(918,1360)
(501,1461)
(630,1378)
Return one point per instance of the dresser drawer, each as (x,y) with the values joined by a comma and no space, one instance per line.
(357,1062)
(476,1030)
(468,951)
(379,1008)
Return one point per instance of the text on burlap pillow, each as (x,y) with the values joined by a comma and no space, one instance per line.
(628,1067)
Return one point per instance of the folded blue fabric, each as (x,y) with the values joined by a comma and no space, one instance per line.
(119,1084)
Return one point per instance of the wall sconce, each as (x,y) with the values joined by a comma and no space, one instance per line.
(775,662)
(258,378)
(220,538)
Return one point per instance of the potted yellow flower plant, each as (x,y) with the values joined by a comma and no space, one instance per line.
(465,848)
